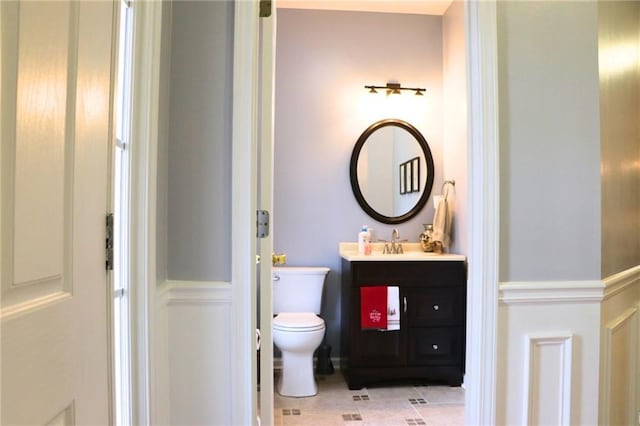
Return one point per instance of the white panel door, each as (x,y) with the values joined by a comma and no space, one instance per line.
(56,123)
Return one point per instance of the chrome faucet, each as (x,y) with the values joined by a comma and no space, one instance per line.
(395,247)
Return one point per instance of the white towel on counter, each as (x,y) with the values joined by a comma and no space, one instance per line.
(393,308)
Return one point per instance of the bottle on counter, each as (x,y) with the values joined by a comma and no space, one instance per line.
(367,242)
(362,240)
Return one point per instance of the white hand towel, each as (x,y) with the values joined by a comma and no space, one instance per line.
(393,308)
(443,218)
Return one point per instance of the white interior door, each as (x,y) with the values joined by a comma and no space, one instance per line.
(266,87)
(56,131)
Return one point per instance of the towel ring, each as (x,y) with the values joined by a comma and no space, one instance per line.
(448,182)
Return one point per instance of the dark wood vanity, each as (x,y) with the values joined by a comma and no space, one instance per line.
(430,345)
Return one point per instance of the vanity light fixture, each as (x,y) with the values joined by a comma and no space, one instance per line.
(395,88)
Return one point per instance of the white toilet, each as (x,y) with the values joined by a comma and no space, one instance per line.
(297,329)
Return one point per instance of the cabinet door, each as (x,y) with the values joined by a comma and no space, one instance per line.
(373,348)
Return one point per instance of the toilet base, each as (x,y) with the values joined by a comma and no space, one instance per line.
(297,379)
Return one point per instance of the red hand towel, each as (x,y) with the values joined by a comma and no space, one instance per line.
(373,307)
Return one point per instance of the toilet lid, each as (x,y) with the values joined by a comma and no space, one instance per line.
(298,321)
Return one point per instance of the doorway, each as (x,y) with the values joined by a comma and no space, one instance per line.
(482,220)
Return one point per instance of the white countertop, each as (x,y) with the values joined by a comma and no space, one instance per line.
(412,252)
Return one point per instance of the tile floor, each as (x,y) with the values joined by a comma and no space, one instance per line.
(397,405)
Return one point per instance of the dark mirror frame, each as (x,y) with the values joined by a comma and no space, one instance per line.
(353,171)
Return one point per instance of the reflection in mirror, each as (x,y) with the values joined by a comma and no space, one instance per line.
(391,171)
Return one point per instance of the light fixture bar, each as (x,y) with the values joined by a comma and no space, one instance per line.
(395,88)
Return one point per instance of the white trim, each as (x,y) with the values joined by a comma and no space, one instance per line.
(265,246)
(619,282)
(610,329)
(144,131)
(546,292)
(243,211)
(482,291)
(197,292)
(565,341)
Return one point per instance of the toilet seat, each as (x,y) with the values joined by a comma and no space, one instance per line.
(298,322)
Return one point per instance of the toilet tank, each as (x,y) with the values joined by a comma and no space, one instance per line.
(298,288)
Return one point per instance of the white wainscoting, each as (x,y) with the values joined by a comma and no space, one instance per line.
(547,369)
(548,347)
(194,318)
(620,366)
(160,413)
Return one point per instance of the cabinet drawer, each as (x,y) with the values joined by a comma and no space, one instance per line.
(410,274)
(436,346)
(436,306)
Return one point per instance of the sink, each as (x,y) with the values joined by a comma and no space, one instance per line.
(412,252)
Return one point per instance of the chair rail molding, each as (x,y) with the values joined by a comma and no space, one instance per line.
(197,292)
(545,292)
(617,283)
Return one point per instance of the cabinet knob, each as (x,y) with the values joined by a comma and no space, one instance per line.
(435,347)
(436,307)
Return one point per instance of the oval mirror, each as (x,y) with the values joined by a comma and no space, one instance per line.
(391,171)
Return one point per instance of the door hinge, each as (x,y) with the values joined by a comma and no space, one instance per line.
(109,243)
(262,223)
(265,8)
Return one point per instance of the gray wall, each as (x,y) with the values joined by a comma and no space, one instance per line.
(619,42)
(163,146)
(549,141)
(199,148)
(323,60)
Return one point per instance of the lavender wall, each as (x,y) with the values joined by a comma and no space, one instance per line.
(323,60)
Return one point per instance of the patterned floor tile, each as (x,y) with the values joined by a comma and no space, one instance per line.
(442,415)
(323,418)
(442,394)
(392,392)
(336,405)
(389,412)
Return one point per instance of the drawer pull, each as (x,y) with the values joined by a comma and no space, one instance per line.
(405,303)
(436,307)
(435,347)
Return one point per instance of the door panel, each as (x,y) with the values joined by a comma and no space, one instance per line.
(56,109)
(39,148)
